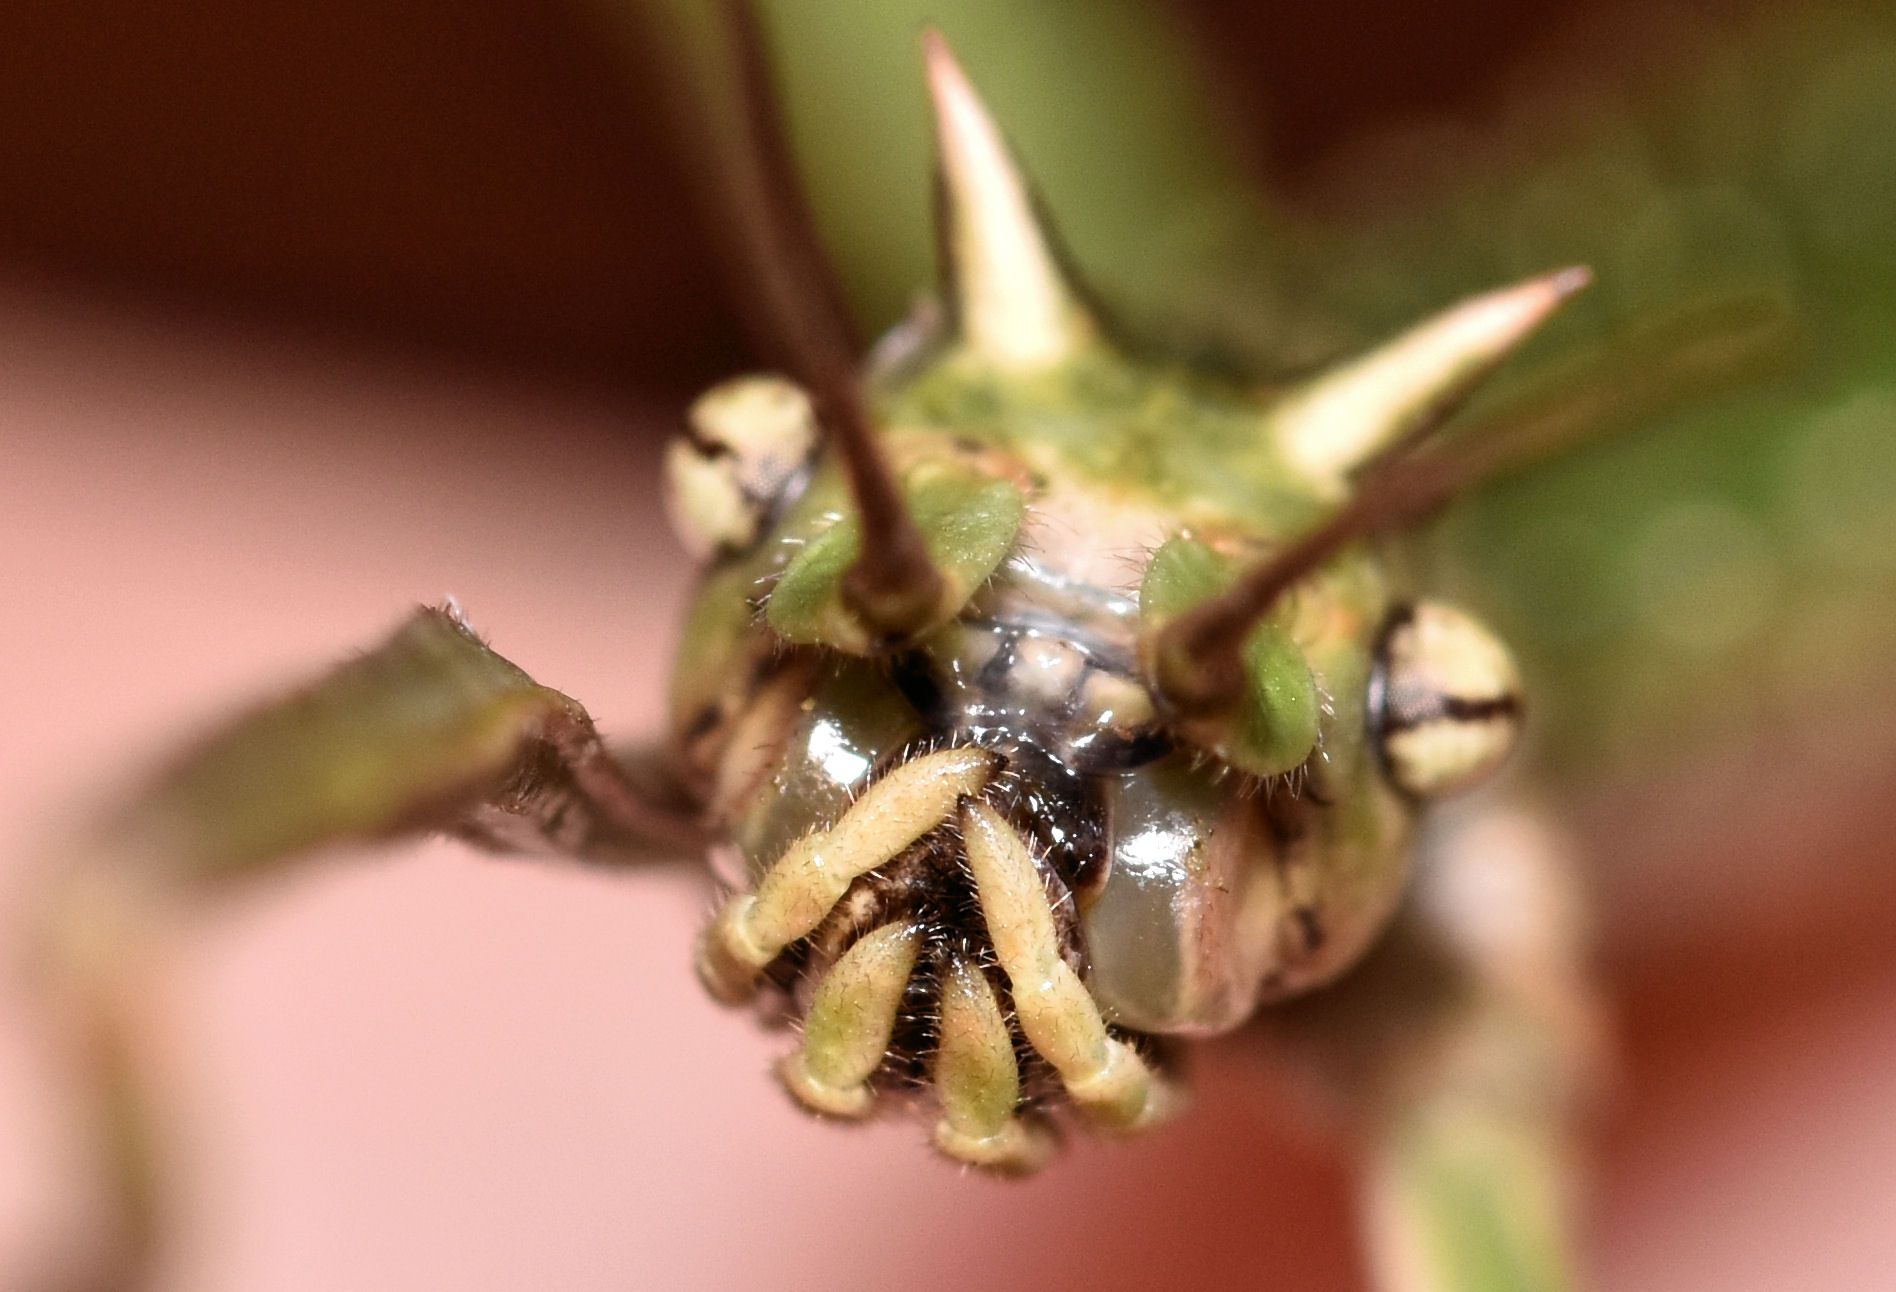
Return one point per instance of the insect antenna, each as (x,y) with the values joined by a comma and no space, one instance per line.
(893,585)
(1615,387)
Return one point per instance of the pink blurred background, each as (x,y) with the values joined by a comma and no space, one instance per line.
(245,421)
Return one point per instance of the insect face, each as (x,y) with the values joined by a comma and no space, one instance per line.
(1091,796)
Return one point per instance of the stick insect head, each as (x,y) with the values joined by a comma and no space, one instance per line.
(1147,753)
(1212,654)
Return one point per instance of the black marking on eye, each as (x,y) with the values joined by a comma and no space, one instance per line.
(1393,710)
(705,446)
(1376,708)
(1399,618)
(1419,709)
(763,508)
(1377,702)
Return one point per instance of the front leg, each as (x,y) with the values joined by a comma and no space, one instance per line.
(1462,1053)
(430,731)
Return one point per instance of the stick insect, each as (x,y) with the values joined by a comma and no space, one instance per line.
(956,669)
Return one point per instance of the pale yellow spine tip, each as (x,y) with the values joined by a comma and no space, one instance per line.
(1010,300)
(1574,278)
(1350,414)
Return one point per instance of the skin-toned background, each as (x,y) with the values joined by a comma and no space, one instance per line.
(432,1069)
(305,320)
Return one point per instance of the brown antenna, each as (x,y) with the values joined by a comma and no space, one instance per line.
(1616,387)
(893,586)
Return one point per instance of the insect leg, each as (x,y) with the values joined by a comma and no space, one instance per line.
(802,885)
(429,731)
(978,1079)
(1462,1052)
(1103,1074)
(849,1024)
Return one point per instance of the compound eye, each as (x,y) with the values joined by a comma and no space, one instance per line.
(745,441)
(1445,701)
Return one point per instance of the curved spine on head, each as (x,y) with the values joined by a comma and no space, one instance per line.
(1368,412)
(1404,388)
(1008,297)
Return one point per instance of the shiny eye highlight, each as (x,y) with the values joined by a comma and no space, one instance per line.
(1445,700)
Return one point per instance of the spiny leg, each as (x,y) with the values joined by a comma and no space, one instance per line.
(431,731)
(1462,1051)
(1105,1076)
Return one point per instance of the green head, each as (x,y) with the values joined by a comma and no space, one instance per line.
(1116,772)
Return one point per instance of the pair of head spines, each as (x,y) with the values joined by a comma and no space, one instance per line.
(1012,307)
